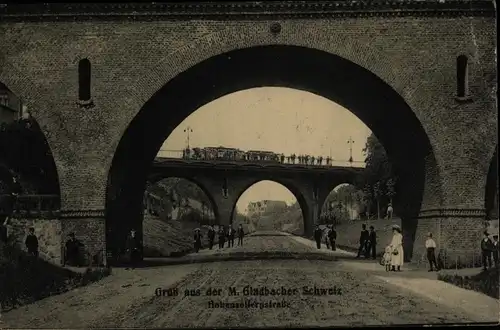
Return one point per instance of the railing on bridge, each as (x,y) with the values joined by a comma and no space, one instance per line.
(18,205)
(285,160)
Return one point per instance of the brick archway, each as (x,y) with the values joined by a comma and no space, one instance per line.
(367,96)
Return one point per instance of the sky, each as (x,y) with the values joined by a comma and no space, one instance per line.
(281,120)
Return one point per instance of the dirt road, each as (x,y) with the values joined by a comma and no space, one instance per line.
(128,299)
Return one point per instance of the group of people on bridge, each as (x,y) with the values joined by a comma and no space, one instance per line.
(224,234)
(229,154)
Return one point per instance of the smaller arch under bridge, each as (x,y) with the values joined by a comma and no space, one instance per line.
(225,182)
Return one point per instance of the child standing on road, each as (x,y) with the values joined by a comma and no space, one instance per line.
(386,259)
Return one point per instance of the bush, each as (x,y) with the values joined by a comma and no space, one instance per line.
(485,282)
(25,279)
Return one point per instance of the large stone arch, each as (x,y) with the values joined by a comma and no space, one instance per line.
(294,187)
(381,108)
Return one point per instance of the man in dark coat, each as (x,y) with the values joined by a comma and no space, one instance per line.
(372,239)
(318,233)
(32,243)
(211,237)
(222,237)
(332,236)
(495,250)
(73,257)
(197,240)
(230,236)
(363,239)
(486,249)
(241,234)
(133,249)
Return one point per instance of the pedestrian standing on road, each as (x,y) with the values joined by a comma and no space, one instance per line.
(495,250)
(486,249)
(72,255)
(372,238)
(230,237)
(31,243)
(332,236)
(325,237)
(390,210)
(397,249)
(363,240)
(317,236)
(211,237)
(241,234)
(222,237)
(197,240)
(133,246)
(430,246)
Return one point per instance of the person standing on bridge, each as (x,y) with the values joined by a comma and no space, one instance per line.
(31,243)
(230,237)
(318,233)
(372,238)
(222,237)
(363,241)
(241,234)
(211,236)
(397,249)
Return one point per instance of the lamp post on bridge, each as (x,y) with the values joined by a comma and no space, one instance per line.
(350,142)
(188,130)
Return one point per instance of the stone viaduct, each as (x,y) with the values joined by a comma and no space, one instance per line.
(107,83)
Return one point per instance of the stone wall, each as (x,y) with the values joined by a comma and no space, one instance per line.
(48,232)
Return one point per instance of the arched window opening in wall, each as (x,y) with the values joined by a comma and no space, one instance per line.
(84,75)
(462,76)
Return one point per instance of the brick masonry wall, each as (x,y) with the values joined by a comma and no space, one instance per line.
(131,61)
(91,232)
(48,232)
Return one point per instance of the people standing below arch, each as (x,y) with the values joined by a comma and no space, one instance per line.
(241,234)
(318,233)
(372,239)
(325,233)
(230,237)
(211,236)
(72,255)
(495,250)
(197,240)
(133,246)
(222,237)
(397,249)
(363,241)
(332,236)
(486,249)
(31,243)
(430,246)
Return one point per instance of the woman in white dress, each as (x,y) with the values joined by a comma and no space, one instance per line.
(397,249)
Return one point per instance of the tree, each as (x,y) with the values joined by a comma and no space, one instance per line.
(378,170)
(391,188)
(377,193)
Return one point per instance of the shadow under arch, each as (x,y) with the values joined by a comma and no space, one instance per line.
(157,178)
(26,153)
(304,206)
(357,89)
(491,189)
